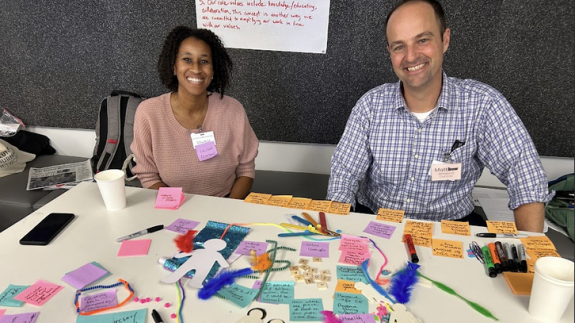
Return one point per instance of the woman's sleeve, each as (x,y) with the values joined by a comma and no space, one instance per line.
(247,165)
(145,168)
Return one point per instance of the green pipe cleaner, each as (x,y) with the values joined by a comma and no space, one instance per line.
(449,290)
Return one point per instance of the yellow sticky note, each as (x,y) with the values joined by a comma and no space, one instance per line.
(257,198)
(299,203)
(501,227)
(346,286)
(339,208)
(447,248)
(279,200)
(390,215)
(319,206)
(536,254)
(538,243)
(455,227)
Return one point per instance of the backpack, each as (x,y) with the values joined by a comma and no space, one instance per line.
(115,133)
(560,209)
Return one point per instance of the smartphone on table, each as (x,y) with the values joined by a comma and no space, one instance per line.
(47,229)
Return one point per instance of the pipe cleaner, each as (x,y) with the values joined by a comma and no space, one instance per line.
(375,286)
(449,290)
(225,278)
(403,282)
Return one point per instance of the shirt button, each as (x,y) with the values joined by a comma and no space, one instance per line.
(419,130)
(416,156)
(408,200)
(413,178)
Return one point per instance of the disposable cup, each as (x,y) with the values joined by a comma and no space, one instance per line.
(552,288)
(112,188)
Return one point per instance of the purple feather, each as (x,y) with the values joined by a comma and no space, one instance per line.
(403,282)
(225,278)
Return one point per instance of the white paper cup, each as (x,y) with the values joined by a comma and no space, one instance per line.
(112,188)
(552,288)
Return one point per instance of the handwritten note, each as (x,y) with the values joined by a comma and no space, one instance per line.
(7,296)
(390,215)
(238,294)
(356,318)
(455,227)
(130,248)
(138,316)
(379,229)
(314,249)
(299,26)
(319,206)
(39,293)
(447,248)
(277,292)
(339,208)
(345,303)
(169,198)
(346,286)
(353,243)
(84,275)
(536,254)
(206,151)
(421,232)
(306,309)
(246,247)
(182,226)
(279,200)
(299,203)
(257,198)
(501,227)
(353,258)
(351,273)
(98,301)
(538,243)
(20,318)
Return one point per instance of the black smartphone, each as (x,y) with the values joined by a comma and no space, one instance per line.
(47,229)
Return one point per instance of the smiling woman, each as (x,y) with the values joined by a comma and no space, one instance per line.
(173,132)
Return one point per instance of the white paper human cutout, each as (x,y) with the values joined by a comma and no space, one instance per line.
(255,315)
(202,260)
(401,315)
(371,294)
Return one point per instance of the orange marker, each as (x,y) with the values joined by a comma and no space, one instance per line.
(495,258)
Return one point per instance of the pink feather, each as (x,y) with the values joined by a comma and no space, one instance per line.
(329,317)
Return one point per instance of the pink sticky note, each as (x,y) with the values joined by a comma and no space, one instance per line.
(353,258)
(134,248)
(354,243)
(4,311)
(206,151)
(84,275)
(19,318)
(39,293)
(169,198)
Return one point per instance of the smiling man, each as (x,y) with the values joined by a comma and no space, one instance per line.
(421,144)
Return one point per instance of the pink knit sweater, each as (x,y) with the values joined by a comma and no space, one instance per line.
(164,150)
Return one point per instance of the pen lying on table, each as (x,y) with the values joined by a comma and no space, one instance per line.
(141,233)
(500,235)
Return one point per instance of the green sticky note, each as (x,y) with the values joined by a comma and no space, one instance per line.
(138,316)
(347,303)
(351,273)
(7,296)
(277,292)
(307,309)
(240,295)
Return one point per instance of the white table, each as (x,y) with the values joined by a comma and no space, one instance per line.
(92,237)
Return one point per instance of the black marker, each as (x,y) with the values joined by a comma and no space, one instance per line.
(522,258)
(516,260)
(502,256)
(156,316)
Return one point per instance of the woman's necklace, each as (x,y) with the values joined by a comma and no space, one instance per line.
(198,122)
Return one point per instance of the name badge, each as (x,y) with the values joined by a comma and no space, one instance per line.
(206,151)
(441,171)
(202,138)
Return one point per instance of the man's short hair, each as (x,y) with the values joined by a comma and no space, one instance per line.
(437,8)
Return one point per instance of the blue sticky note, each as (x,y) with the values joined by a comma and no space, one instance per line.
(277,292)
(238,294)
(351,273)
(348,303)
(138,316)
(7,296)
(306,309)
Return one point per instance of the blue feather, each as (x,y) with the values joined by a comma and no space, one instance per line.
(402,283)
(375,285)
(225,278)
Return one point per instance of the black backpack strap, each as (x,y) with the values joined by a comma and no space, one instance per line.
(113,134)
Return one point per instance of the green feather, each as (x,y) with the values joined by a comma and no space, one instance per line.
(450,290)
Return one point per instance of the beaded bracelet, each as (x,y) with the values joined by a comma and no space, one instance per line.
(121,282)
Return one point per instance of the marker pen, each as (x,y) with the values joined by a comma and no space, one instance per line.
(495,258)
(509,255)
(502,256)
(488,262)
(522,258)
(516,258)
(411,247)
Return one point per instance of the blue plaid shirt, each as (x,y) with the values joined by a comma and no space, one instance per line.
(390,151)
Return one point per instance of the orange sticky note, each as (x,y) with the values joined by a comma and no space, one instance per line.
(299,203)
(390,215)
(346,286)
(39,293)
(169,198)
(531,266)
(257,198)
(447,248)
(279,200)
(520,283)
(536,254)
(134,248)
(339,208)
(538,243)
(501,227)
(421,232)
(319,206)
(455,227)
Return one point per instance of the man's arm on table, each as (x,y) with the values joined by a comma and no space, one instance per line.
(530,217)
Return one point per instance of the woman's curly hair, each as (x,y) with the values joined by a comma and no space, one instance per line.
(221,61)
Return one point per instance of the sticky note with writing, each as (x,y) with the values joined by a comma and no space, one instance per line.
(257,198)
(138,316)
(353,243)
(182,226)
(356,318)
(538,243)
(306,309)
(319,206)
(379,229)
(353,258)
(98,301)
(279,200)
(390,215)
(536,254)
(277,292)
(39,293)
(246,247)
(346,286)
(501,227)
(20,318)
(447,248)
(7,296)
(345,303)
(169,198)
(206,151)
(314,249)
(339,208)
(420,231)
(299,203)
(238,294)
(455,227)
(351,273)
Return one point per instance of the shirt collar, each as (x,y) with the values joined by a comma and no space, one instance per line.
(444,96)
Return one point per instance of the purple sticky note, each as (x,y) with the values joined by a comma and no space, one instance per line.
(258,285)
(20,318)
(182,226)
(379,229)
(98,301)
(356,318)
(314,249)
(84,275)
(206,151)
(246,246)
